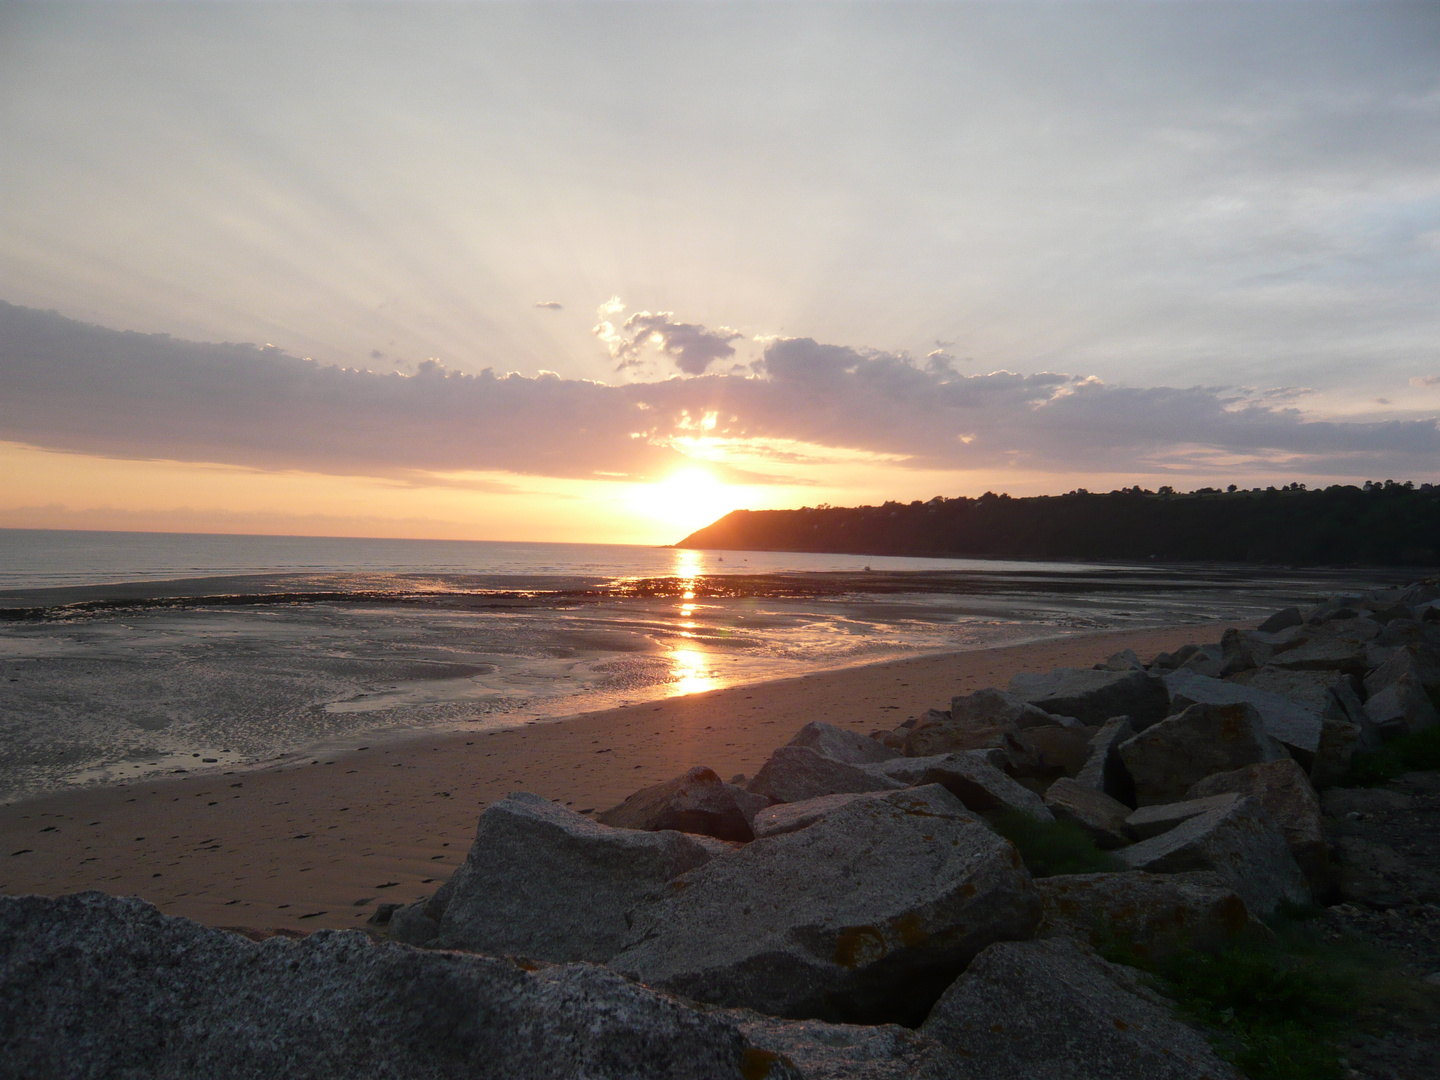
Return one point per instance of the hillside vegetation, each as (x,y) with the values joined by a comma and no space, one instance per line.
(1387,524)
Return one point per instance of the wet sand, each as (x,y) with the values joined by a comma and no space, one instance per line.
(319,842)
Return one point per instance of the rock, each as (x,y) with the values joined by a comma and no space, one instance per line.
(1166,759)
(1401,708)
(94,985)
(1294,723)
(1240,843)
(822,1051)
(1153,915)
(1207,660)
(1415,661)
(1055,1009)
(1104,769)
(1281,620)
(1241,650)
(1169,661)
(949,736)
(697,802)
(848,746)
(543,882)
(1328,695)
(1102,817)
(1095,696)
(992,706)
(865,915)
(797,773)
(411,924)
(1324,652)
(1060,751)
(1124,660)
(1338,802)
(1150,821)
(1283,790)
(792,817)
(980,786)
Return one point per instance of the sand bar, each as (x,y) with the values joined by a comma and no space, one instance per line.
(319,843)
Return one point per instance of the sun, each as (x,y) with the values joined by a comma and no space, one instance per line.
(684,501)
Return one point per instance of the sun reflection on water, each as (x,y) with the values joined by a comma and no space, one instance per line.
(690,671)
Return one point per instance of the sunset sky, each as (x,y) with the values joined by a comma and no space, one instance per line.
(606,271)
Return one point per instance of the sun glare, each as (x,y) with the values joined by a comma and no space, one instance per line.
(685,501)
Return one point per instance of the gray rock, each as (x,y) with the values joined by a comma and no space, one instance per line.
(1401,708)
(1104,770)
(792,817)
(1060,751)
(865,915)
(1207,660)
(980,786)
(848,746)
(544,882)
(1281,620)
(1324,652)
(697,802)
(1166,759)
(1414,660)
(1241,650)
(1328,695)
(798,773)
(1093,697)
(1124,660)
(992,706)
(1151,821)
(100,986)
(1283,790)
(1286,719)
(822,1051)
(1055,1009)
(1102,817)
(1240,843)
(944,735)
(1169,661)
(411,924)
(1153,915)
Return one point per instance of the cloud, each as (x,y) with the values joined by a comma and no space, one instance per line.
(550,305)
(67,385)
(692,346)
(1425,380)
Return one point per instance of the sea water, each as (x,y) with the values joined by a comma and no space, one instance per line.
(126,655)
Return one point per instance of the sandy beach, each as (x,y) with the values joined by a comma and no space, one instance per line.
(319,842)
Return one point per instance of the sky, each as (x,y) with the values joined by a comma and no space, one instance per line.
(606,271)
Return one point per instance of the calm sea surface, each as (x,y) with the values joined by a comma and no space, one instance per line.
(124,655)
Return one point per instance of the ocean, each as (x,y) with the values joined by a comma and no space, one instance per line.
(129,655)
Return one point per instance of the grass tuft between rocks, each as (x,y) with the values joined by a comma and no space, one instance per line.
(1408,753)
(1053,847)
(1279,1008)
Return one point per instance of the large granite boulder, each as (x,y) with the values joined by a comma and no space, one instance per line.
(1102,817)
(939,733)
(866,915)
(100,986)
(1281,620)
(821,1051)
(797,773)
(1164,760)
(697,802)
(1060,751)
(1292,720)
(1239,842)
(1282,788)
(1329,696)
(1093,697)
(1152,915)
(980,786)
(1153,820)
(1104,769)
(792,817)
(1054,1009)
(1402,707)
(544,882)
(1326,651)
(993,706)
(842,745)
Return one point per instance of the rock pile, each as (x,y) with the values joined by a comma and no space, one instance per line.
(851,912)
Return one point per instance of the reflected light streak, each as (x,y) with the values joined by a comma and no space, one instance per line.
(690,671)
